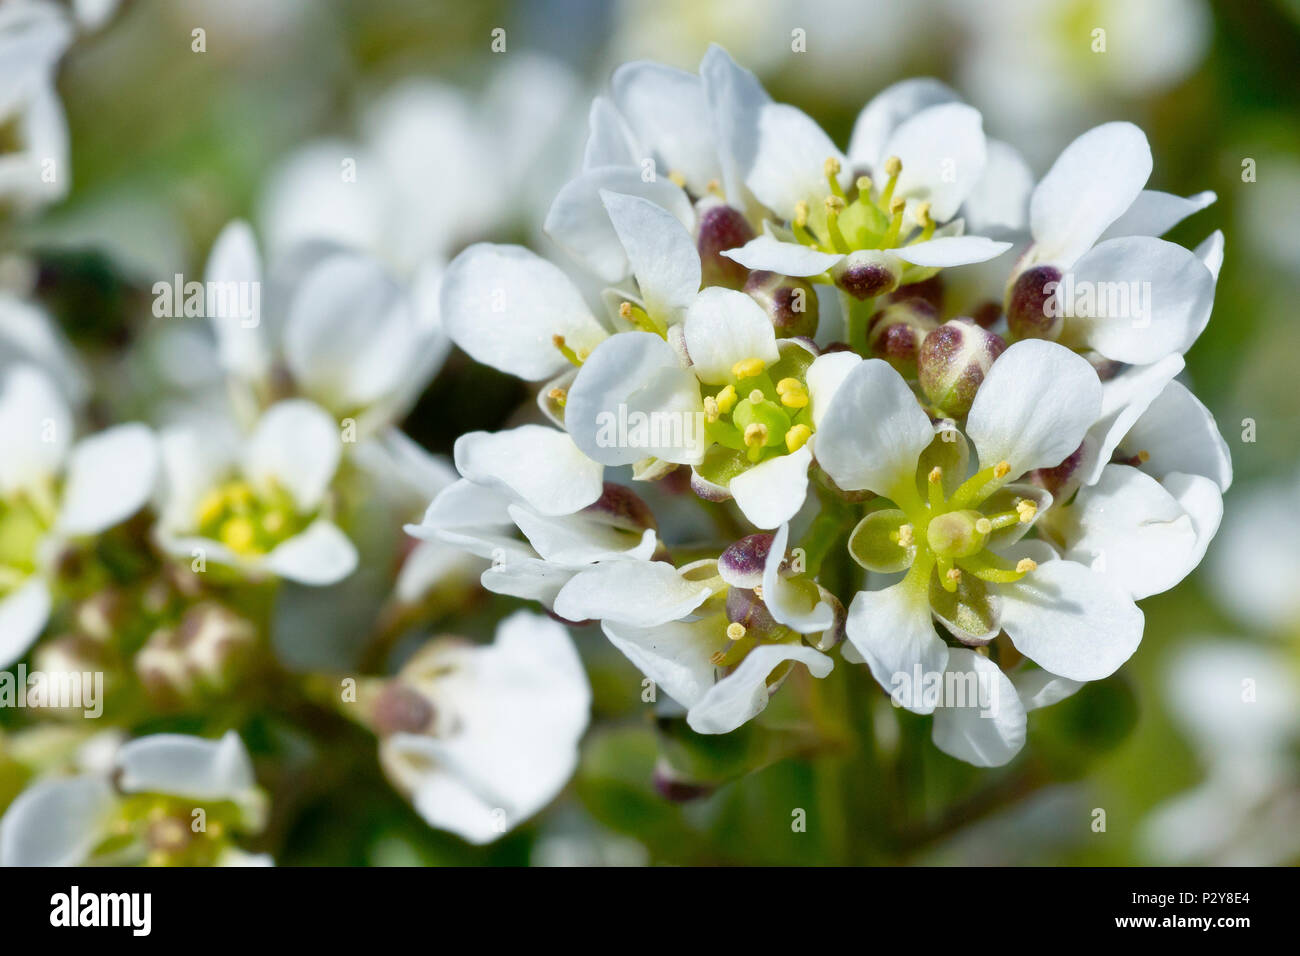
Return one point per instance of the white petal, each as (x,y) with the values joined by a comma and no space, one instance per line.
(1071,621)
(23,614)
(350,337)
(642,594)
(676,655)
(1038,688)
(998,204)
(893,632)
(787,604)
(786,258)
(824,377)
(1151,298)
(465,504)
(578,223)
(1178,433)
(194,460)
(1132,532)
(773,491)
(790,164)
(56,822)
(240,337)
(1124,399)
(296,446)
(1091,184)
(1154,213)
(660,253)
(538,465)
(724,327)
(504,306)
(185,766)
(1034,407)
(110,477)
(744,693)
(665,108)
(735,98)
(1203,501)
(632,399)
(887,109)
(580,539)
(943,154)
(874,431)
(319,555)
(36,425)
(984,736)
(1211,252)
(952,251)
(609,140)
(530,579)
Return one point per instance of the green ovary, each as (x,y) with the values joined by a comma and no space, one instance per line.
(757,416)
(249,521)
(170,831)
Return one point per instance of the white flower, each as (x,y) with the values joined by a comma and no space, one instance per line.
(52,490)
(916,156)
(141,809)
(719,636)
(1255,566)
(481,738)
(350,337)
(533,481)
(33,37)
(1095,275)
(739,406)
(959,541)
(261,505)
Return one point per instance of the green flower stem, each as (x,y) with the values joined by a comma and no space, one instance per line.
(857,313)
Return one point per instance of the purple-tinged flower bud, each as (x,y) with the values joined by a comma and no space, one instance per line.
(1106,368)
(741,564)
(1064,478)
(399,708)
(101,615)
(721,228)
(835,633)
(790,303)
(1033,311)
(952,362)
(818,474)
(672,786)
(987,314)
(931,290)
(202,652)
(620,507)
(895,333)
(867,273)
(746,608)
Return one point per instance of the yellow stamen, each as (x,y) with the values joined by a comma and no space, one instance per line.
(1025,565)
(748,368)
(735,631)
(1143,457)
(210,508)
(558,395)
(715,188)
(797,437)
(1026,509)
(792,392)
(758,591)
(893,166)
(726,399)
(567,352)
(711,410)
(953,575)
(677,178)
(1001,469)
(238,534)
(801,213)
(936,475)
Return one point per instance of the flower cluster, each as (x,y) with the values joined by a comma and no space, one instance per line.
(944,397)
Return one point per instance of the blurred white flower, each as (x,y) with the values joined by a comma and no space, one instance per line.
(34,166)
(262,504)
(482,737)
(142,809)
(52,490)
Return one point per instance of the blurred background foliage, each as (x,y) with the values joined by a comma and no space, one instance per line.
(168,145)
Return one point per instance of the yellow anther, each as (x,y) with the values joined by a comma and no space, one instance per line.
(801,213)
(748,368)
(758,591)
(832,167)
(905,535)
(567,352)
(210,508)
(1001,469)
(558,395)
(834,205)
(1143,457)
(923,213)
(1025,565)
(735,631)
(893,166)
(797,437)
(755,434)
(677,178)
(625,311)
(897,205)
(238,534)
(984,526)
(953,575)
(726,399)
(715,188)
(793,393)
(711,411)
(756,396)
(1026,509)
(936,475)
(717,658)
(273,522)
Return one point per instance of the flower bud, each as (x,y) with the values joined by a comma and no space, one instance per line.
(895,333)
(868,273)
(741,564)
(721,228)
(744,607)
(952,362)
(1032,308)
(791,304)
(1064,478)
(931,290)
(400,708)
(672,786)
(201,652)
